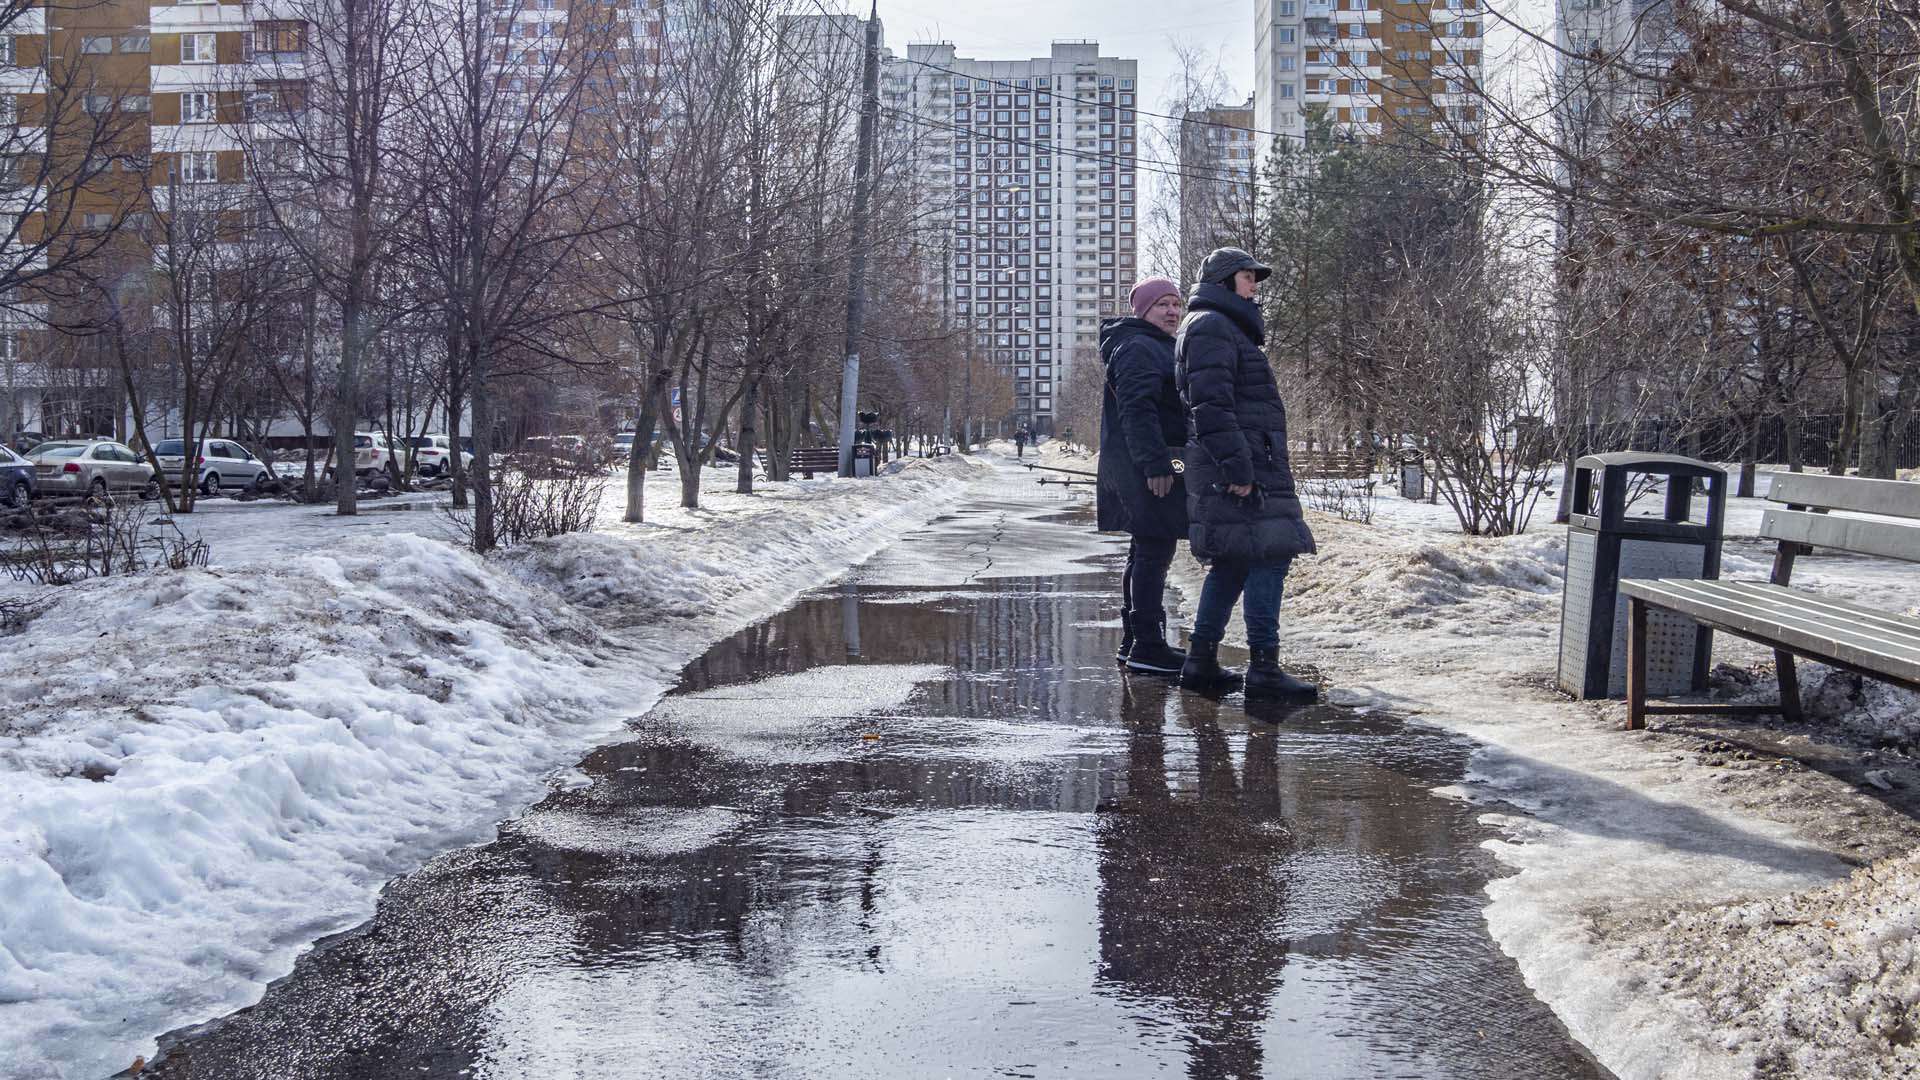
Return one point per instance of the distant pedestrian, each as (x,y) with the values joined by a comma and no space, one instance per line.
(1143,427)
(1020,443)
(1246,516)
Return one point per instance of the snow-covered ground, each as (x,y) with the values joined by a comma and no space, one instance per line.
(205,771)
(1707,899)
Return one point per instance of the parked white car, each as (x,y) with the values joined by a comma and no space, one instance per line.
(220,463)
(432,453)
(373,451)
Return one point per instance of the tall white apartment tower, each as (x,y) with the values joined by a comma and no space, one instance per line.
(1368,65)
(1029,166)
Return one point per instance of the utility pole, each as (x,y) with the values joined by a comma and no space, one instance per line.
(857,260)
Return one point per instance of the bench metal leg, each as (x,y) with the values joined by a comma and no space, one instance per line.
(1789,685)
(1636,663)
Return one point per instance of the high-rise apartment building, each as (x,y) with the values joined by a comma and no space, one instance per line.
(1217,180)
(1368,65)
(1591,90)
(1029,170)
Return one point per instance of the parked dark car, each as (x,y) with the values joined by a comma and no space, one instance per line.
(16,478)
(23,442)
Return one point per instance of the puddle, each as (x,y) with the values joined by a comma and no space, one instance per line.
(976,849)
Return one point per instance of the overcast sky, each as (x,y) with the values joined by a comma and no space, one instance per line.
(1142,30)
(1134,29)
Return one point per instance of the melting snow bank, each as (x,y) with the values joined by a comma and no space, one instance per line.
(204,771)
(1685,912)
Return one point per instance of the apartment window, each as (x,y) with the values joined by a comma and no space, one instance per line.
(1287,7)
(1285,35)
(197,48)
(136,43)
(277,100)
(6,50)
(97,104)
(96,45)
(199,167)
(1356,30)
(1404,27)
(1286,91)
(196,107)
(1286,63)
(280,37)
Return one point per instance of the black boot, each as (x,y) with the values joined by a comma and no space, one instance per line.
(1151,653)
(1126,641)
(1265,678)
(1202,671)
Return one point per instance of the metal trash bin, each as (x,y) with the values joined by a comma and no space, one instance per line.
(863,456)
(1605,545)
(1413,478)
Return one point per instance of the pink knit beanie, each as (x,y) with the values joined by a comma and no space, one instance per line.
(1149,292)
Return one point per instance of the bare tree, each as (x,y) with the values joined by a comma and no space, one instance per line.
(507,162)
(324,104)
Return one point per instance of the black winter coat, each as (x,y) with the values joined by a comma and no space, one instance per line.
(1142,425)
(1239,434)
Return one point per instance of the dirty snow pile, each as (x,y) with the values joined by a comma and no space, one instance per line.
(203,771)
(1822,983)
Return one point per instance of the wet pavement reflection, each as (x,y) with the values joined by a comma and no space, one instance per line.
(919,825)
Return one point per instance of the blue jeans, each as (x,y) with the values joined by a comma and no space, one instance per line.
(1226,583)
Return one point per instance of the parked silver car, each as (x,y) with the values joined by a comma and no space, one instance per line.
(222,463)
(96,468)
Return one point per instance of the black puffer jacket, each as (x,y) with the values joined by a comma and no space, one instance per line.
(1239,434)
(1142,425)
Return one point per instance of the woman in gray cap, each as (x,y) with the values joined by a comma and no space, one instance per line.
(1246,517)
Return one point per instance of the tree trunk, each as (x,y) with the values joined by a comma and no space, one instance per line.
(456,396)
(1749,462)
(481,398)
(346,407)
(309,384)
(749,410)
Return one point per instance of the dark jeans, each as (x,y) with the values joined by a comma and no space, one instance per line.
(1226,583)
(1144,586)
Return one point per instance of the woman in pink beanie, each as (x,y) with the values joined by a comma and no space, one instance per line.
(1142,426)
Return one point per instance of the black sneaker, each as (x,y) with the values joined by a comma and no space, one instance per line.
(1155,658)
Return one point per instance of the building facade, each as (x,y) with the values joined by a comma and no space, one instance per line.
(1030,170)
(1217,181)
(1368,65)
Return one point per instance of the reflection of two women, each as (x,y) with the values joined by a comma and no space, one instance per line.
(1190,889)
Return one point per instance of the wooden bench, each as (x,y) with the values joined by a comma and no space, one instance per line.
(813,459)
(1331,465)
(1854,637)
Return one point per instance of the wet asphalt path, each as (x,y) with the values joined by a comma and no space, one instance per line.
(919,825)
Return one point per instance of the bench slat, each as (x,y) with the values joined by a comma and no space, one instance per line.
(1896,634)
(1893,498)
(1858,636)
(1887,539)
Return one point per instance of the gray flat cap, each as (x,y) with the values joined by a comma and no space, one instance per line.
(1223,263)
